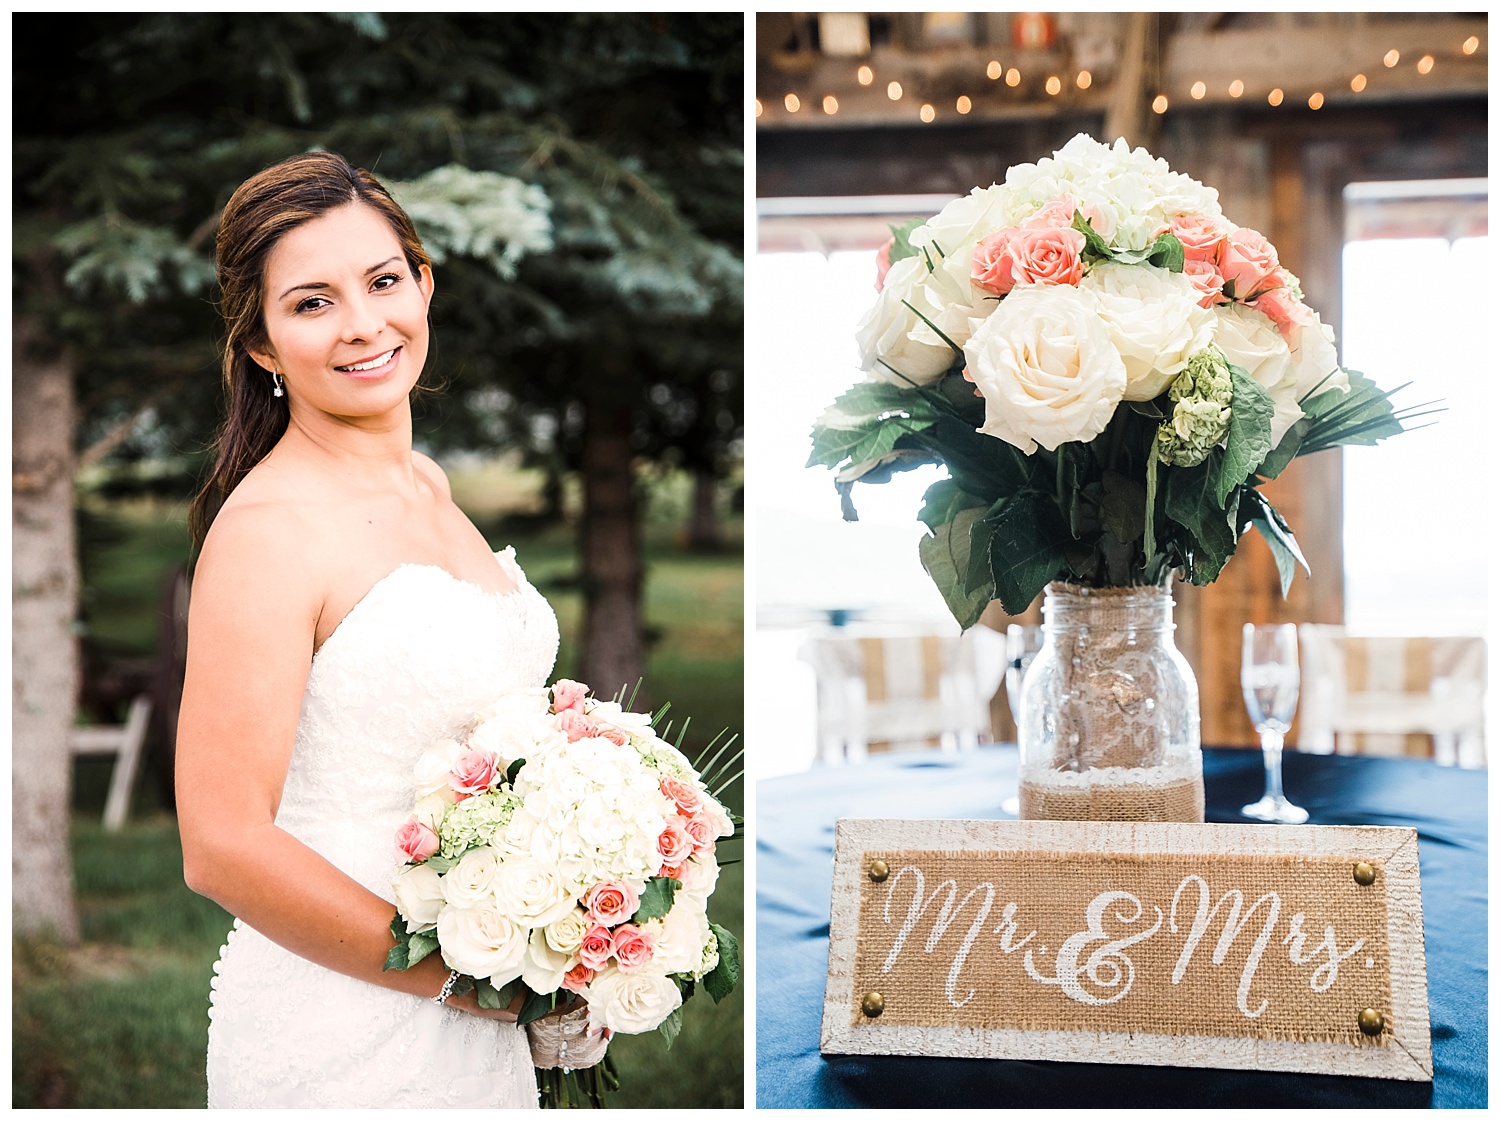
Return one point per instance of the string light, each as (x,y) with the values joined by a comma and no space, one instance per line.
(1275,96)
(1471,44)
(793,102)
(1198,90)
(1392,57)
(893,91)
(1424,64)
(1236,88)
(1357,83)
(865,75)
(830,105)
(759,108)
(1054,85)
(928,114)
(993,70)
(1315,101)
(1085,79)
(1013,77)
(1160,104)
(964,105)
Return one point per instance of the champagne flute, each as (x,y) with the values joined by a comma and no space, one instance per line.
(1021,645)
(1269,679)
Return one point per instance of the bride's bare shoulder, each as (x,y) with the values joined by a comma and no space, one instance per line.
(428,468)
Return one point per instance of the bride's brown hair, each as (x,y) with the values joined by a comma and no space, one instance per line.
(264,208)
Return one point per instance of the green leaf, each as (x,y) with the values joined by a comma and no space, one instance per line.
(656,899)
(1153,465)
(506,994)
(721,980)
(1124,506)
(941,503)
(1362,416)
(1256,510)
(421,944)
(513,770)
(1192,504)
(1249,436)
(901,246)
(441,864)
(1025,551)
(1286,451)
(396,959)
(671,1027)
(945,555)
(1167,253)
(1094,246)
(487,995)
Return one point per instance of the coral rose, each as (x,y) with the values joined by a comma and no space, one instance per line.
(568,695)
(475,772)
(684,795)
(595,948)
(634,948)
(1248,262)
(1050,255)
(611,902)
(415,842)
(576,726)
(992,264)
(675,843)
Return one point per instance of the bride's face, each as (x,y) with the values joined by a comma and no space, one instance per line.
(345,315)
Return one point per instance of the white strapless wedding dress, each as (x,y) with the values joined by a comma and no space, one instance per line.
(412,662)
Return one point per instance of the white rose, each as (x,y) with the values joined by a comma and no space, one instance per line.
(1250,339)
(632,1003)
(1154,321)
(516,837)
(434,767)
(699,877)
(544,967)
(565,935)
(894,344)
(531,892)
(963,223)
(517,726)
(430,809)
(471,881)
(680,936)
(1046,368)
(419,895)
(482,942)
(1314,357)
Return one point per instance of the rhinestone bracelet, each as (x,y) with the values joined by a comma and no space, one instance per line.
(442,997)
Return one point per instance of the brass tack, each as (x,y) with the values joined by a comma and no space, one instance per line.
(879,870)
(1371,1022)
(873,1005)
(1364,873)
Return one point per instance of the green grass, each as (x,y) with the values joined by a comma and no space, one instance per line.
(121,1021)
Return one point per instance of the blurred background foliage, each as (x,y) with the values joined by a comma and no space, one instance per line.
(580,180)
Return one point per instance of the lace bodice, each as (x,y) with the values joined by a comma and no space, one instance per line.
(412,662)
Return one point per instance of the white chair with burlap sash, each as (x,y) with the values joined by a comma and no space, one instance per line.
(888,689)
(1420,696)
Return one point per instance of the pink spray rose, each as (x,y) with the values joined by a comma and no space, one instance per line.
(1281,306)
(611,902)
(612,734)
(634,948)
(1205,277)
(576,726)
(675,842)
(568,695)
(415,842)
(476,772)
(671,871)
(1057,214)
(1249,262)
(703,832)
(576,978)
(684,795)
(1046,256)
(595,948)
(991,265)
(883,263)
(1202,237)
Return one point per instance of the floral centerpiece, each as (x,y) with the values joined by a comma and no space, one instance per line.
(1109,369)
(562,846)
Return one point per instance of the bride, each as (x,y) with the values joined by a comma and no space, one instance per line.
(345,614)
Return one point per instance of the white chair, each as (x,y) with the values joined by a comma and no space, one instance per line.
(1419,696)
(883,689)
(125,743)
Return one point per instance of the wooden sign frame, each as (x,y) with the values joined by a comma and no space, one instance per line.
(1405,1053)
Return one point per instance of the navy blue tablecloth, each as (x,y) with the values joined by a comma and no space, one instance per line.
(795,819)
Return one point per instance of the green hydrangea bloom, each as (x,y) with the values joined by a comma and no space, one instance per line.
(474,821)
(1200,413)
(710,960)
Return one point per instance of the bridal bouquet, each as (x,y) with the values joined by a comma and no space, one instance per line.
(1107,367)
(562,846)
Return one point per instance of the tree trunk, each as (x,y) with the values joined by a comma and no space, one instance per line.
(703,526)
(609,544)
(44,659)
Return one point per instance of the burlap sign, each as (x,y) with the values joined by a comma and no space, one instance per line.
(1202,945)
